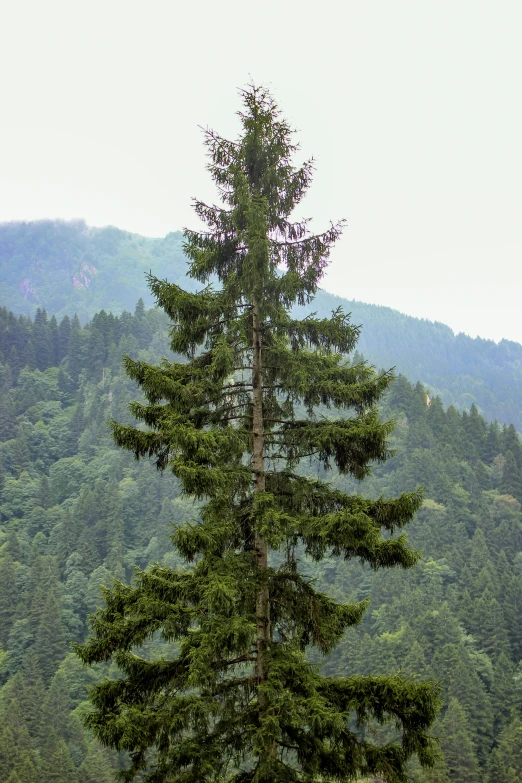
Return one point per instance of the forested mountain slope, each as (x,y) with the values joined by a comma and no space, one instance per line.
(459,369)
(70,268)
(76,511)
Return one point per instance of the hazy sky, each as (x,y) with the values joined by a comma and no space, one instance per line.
(412,108)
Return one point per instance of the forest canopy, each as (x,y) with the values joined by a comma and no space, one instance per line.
(455,617)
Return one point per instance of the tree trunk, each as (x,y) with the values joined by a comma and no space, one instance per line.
(258,464)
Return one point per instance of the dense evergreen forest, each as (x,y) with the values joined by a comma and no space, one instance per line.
(71,268)
(76,512)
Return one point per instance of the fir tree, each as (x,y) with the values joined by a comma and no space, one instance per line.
(503,694)
(55,708)
(32,692)
(240,702)
(7,416)
(457,745)
(489,625)
(42,341)
(75,350)
(475,428)
(29,356)
(492,444)
(95,768)
(466,687)
(511,484)
(55,341)
(505,763)
(512,443)
(8,598)
(16,752)
(64,334)
(114,532)
(49,640)
(512,606)
(57,764)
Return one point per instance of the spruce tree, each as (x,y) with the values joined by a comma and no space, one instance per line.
(505,763)
(503,693)
(42,341)
(259,395)
(64,334)
(457,745)
(57,764)
(49,638)
(9,598)
(511,483)
(95,768)
(32,692)
(7,416)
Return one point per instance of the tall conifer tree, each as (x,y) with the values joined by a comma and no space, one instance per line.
(238,701)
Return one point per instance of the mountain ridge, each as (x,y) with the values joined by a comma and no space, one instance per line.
(70,267)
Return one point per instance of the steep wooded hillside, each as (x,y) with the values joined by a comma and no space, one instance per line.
(77,512)
(70,268)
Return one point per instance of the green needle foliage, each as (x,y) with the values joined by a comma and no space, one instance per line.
(238,700)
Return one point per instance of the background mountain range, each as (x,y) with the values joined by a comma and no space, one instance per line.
(70,268)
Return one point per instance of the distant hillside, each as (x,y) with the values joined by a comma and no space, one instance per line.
(461,370)
(70,267)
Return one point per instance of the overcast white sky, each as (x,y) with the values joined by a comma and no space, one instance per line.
(412,108)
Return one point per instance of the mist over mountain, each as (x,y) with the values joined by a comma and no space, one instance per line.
(69,267)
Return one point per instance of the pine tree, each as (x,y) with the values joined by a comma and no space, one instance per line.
(503,695)
(87,513)
(512,606)
(114,530)
(55,708)
(29,356)
(64,334)
(95,768)
(44,580)
(240,702)
(7,416)
(49,640)
(45,499)
(57,764)
(55,341)
(505,763)
(492,444)
(511,484)
(489,625)
(32,692)
(75,350)
(16,753)
(42,341)
(464,684)
(415,663)
(8,598)
(457,745)
(512,443)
